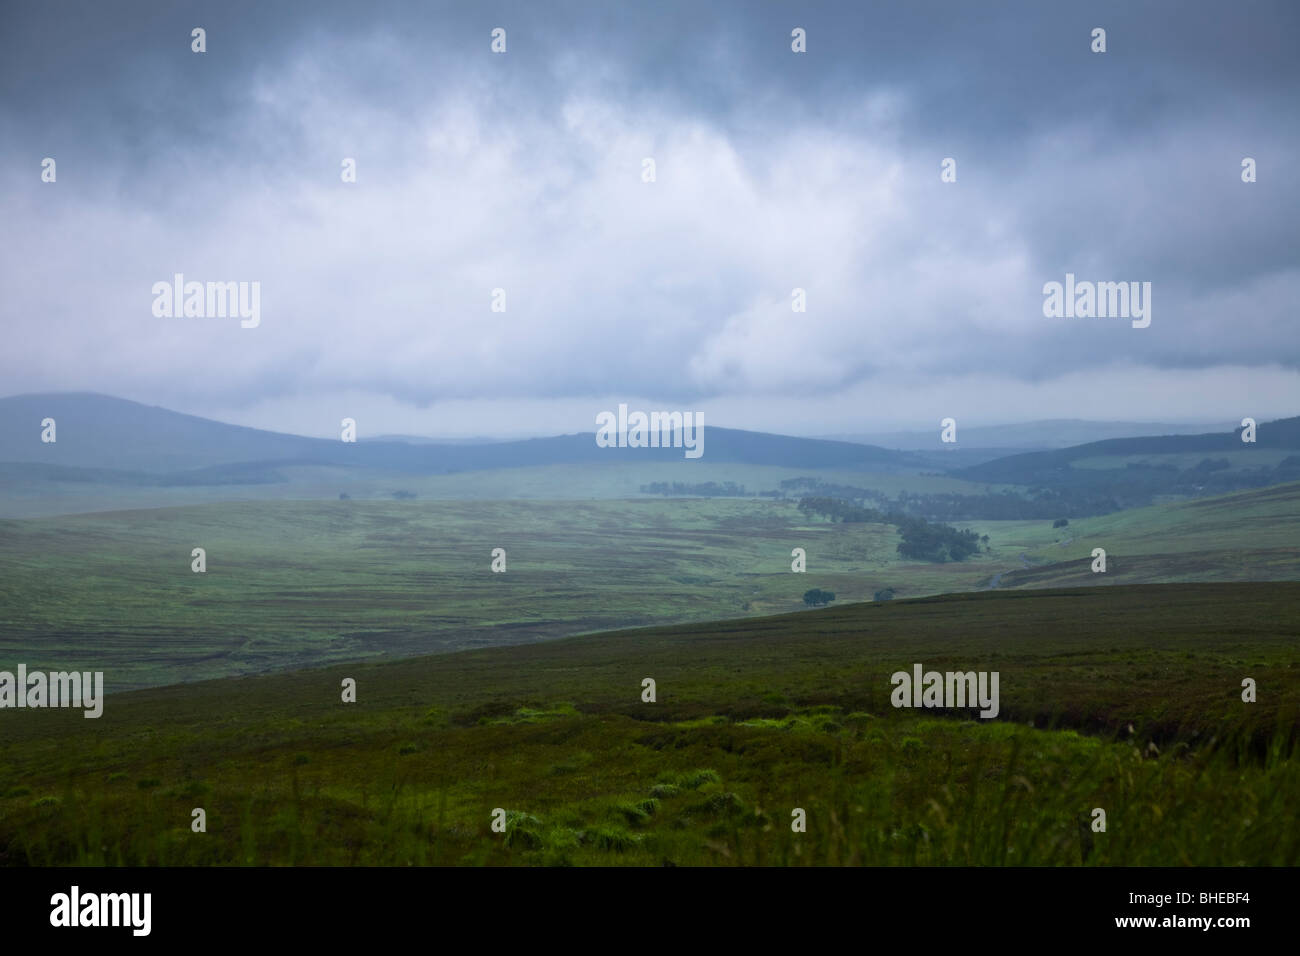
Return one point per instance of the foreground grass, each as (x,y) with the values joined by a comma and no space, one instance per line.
(1124,699)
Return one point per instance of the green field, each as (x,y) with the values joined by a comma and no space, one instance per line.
(300,583)
(1121,698)
(295,583)
(23,495)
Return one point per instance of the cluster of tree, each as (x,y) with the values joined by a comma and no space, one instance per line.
(707,489)
(403,495)
(885,594)
(826,489)
(1048,493)
(1032,505)
(1209,477)
(837,509)
(1060,522)
(922,540)
(1082,492)
(817,596)
(935,542)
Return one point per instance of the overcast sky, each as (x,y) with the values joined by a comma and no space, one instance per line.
(774,170)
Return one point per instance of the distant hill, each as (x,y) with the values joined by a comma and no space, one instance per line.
(1104,476)
(102,432)
(426,440)
(1029,436)
(1045,467)
(105,434)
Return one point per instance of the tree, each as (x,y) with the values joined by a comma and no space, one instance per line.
(817,596)
(885,595)
(934,542)
(1060,522)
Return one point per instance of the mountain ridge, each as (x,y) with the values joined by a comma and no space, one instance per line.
(119,435)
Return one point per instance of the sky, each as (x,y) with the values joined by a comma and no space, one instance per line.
(774,170)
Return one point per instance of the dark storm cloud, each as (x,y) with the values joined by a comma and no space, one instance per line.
(775,171)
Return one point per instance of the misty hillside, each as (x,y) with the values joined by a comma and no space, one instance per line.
(1283,433)
(110,439)
(1028,436)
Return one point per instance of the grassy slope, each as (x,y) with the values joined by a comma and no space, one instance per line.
(778,713)
(293,584)
(1246,536)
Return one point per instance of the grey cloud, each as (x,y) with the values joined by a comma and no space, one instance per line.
(522,171)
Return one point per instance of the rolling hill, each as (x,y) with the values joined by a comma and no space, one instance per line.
(121,441)
(1027,436)
(1047,467)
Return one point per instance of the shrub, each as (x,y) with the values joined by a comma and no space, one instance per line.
(724,804)
(632,813)
(609,838)
(817,596)
(697,778)
(522,830)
